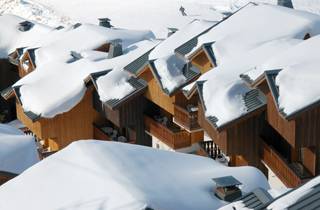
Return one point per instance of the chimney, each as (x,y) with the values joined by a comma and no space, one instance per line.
(105,22)
(115,48)
(25,26)
(171,31)
(285,3)
(227,188)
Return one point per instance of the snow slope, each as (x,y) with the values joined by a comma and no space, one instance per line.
(17,151)
(99,175)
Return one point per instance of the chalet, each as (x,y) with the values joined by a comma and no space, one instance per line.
(118,97)
(231,113)
(184,181)
(169,117)
(290,147)
(58,114)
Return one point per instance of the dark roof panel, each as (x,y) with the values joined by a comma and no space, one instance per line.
(256,199)
(226,181)
(136,66)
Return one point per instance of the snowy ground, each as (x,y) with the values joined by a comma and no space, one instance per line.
(157,15)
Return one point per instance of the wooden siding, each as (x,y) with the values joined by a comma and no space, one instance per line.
(188,120)
(220,138)
(67,127)
(202,62)
(285,128)
(279,166)
(244,140)
(155,94)
(174,139)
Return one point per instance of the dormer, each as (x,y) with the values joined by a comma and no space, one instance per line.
(227,188)
(27,62)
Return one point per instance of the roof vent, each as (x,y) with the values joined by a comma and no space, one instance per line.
(76,25)
(227,188)
(75,56)
(25,26)
(59,27)
(171,31)
(285,3)
(115,48)
(105,22)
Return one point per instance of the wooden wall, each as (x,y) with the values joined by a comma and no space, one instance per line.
(155,94)
(285,128)
(219,138)
(202,62)
(67,127)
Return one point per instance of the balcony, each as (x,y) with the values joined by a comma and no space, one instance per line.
(291,174)
(187,117)
(108,132)
(169,133)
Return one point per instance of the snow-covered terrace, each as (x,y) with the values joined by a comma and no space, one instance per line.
(105,175)
(241,43)
(17,150)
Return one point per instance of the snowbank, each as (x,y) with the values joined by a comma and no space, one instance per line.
(122,176)
(17,151)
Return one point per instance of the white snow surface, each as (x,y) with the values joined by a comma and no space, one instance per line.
(57,86)
(293,197)
(122,176)
(11,37)
(180,37)
(17,150)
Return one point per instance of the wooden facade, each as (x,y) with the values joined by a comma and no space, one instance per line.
(127,119)
(64,128)
(240,140)
(8,76)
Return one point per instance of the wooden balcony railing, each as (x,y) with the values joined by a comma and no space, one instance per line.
(173,137)
(284,170)
(189,120)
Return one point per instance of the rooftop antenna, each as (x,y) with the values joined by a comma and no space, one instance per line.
(183,11)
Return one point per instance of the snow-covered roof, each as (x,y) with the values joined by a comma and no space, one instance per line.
(17,150)
(304,196)
(254,25)
(82,39)
(57,86)
(108,175)
(298,73)
(243,42)
(11,37)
